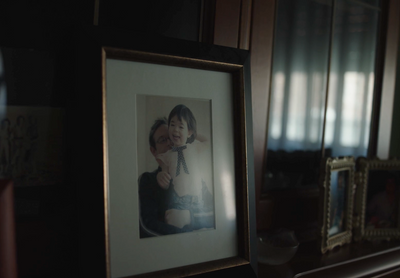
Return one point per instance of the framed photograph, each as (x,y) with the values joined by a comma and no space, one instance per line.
(337,202)
(175,164)
(377,205)
(32,145)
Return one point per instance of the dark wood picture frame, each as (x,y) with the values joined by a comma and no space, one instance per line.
(96,46)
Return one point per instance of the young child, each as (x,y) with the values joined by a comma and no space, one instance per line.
(182,163)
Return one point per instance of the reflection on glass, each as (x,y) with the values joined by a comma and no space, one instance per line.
(227,184)
(276,119)
(338,201)
(298,92)
(299,87)
(351,78)
(295,130)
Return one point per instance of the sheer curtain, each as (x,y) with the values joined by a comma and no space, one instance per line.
(306,53)
(300,66)
(300,71)
(352,79)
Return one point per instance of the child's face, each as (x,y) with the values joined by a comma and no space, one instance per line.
(178,131)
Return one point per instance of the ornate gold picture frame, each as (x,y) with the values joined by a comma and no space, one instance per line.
(337,191)
(377,211)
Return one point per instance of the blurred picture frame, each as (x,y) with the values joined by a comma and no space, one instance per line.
(8,250)
(377,208)
(32,148)
(336,202)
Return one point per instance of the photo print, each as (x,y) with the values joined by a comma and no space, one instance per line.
(176,190)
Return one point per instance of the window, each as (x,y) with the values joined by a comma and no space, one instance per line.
(323,79)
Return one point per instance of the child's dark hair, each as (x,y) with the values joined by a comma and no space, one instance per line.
(182,112)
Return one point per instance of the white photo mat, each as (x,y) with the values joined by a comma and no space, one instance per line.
(125,81)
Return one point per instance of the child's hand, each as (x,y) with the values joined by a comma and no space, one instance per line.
(163,179)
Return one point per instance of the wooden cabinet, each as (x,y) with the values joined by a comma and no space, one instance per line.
(245,24)
(235,26)
(254,31)
(364,260)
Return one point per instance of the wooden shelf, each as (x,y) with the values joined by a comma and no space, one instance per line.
(353,260)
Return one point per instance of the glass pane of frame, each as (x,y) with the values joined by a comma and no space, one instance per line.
(352,79)
(297,104)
